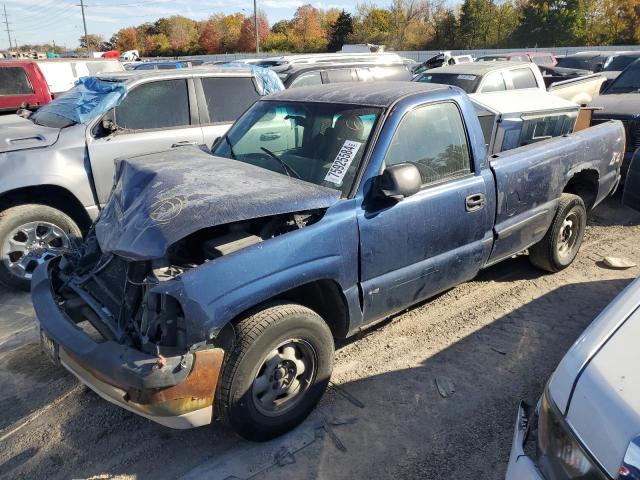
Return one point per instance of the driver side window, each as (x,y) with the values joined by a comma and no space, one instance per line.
(155,105)
(433,138)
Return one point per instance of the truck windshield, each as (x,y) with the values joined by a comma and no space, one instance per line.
(14,81)
(620,62)
(320,143)
(469,83)
(90,98)
(628,81)
(574,62)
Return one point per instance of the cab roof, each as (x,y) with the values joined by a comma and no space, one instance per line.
(373,94)
(477,68)
(134,75)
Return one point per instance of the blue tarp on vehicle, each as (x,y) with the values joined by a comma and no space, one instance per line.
(268,80)
(89,98)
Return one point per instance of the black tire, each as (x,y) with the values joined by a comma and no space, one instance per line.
(15,217)
(548,253)
(256,336)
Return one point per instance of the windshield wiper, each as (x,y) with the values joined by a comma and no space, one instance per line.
(226,139)
(286,167)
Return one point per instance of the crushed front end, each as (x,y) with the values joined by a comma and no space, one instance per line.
(101,316)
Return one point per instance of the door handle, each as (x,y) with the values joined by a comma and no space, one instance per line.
(475,202)
(184,143)
(265,137)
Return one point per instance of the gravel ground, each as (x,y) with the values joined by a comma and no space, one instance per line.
(494,341)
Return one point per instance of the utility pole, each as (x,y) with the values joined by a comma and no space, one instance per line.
(255,23)
(6,22)
(84,22)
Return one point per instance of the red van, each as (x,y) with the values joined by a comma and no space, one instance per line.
(22,82)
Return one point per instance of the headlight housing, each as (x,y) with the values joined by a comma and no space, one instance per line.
(560,455)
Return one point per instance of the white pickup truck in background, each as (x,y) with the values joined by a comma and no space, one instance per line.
(486,77)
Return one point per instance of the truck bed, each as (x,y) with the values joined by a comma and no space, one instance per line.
(530,180)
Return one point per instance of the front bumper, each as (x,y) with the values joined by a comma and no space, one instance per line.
(175,391)
(521,466)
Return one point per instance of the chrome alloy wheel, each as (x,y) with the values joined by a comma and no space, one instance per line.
(284,376)
(30,245)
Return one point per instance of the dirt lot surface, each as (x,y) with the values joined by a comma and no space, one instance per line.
(491,342)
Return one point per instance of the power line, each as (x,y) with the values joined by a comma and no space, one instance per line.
(6,22)
(84,23)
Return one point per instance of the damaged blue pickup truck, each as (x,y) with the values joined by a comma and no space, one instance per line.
(213,286)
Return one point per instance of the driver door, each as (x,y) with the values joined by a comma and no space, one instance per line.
(421,245)
(154,116)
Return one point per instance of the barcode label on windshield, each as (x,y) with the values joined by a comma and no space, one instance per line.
(340,165)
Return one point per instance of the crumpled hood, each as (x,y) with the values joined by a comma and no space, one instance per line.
(17,133)
(161,198)
(615,105)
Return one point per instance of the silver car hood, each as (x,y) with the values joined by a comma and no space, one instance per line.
(17,133)
(604,411)
(597,383)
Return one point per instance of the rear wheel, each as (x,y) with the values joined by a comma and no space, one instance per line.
(276,371)
(29,236)
(560,245)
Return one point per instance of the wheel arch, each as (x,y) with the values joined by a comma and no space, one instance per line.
(50,195)
(584,183)
(323,296)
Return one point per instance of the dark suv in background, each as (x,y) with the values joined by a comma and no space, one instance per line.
(620,100)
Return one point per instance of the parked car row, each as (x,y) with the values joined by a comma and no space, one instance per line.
(234,229)
(33,83)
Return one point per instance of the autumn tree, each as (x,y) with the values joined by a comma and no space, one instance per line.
(340,31)
(127,39)
(209,39)
(308,35)
(181,32)
(247,37)
(91,42)
(372,25)
(407,15)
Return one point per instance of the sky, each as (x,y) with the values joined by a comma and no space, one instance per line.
(44,21)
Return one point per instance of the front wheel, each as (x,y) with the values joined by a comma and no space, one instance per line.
(276,371)
(560,245)
(29,236)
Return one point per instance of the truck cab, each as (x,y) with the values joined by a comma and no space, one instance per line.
(22,84)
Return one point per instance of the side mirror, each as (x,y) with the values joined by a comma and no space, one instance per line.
(604,85)
(400,181)
(598,68)
(109,125)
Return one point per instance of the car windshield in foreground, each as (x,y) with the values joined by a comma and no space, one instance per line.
(620,62)
(468,83)
(320,143)
(628,81)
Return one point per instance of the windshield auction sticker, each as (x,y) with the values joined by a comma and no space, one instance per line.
(340,165)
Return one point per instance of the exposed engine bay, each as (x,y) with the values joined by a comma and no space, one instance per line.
(111,298)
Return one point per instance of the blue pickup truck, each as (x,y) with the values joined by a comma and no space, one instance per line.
(214,286)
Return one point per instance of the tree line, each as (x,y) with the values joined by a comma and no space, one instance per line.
(403,25)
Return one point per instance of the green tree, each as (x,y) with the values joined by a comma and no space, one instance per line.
(548,23)
(91,42)
(339,31)
(372,25)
